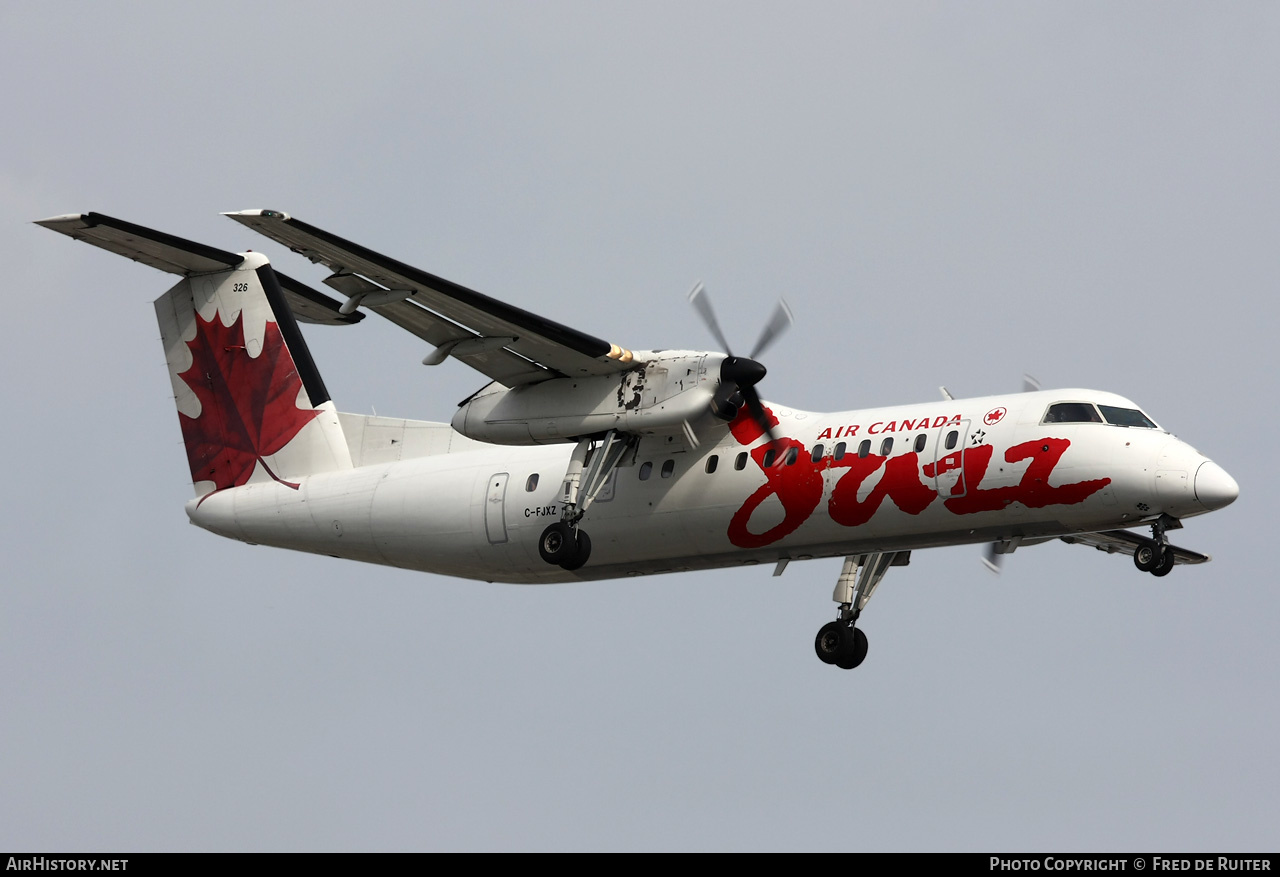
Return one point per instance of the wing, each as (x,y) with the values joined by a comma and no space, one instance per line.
(508,344)
(1125,542)
(180,256)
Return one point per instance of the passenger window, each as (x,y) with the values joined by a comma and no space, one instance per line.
(768,457)
(839,452)
(886,447)
(952,438)
(741,462)
(646,469)
(1072,412)
(792,455)
(668,467)
(711,463)
(817,453)
(864,448)
(920,443)
(532,484)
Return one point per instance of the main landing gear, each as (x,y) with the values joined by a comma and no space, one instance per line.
(566,546)
(594,459)
(1156,556)
(840,642)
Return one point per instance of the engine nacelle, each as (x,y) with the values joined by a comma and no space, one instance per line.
(664,391)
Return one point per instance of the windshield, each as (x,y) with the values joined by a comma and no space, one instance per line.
(1126,417)
(1072,412)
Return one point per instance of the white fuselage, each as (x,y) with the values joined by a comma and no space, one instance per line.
(478,512)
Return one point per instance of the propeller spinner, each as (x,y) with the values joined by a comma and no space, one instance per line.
(740,374)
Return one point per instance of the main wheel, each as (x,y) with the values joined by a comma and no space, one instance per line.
(557,544)
(1165,566)
(857,649)
(829,643)
(1147,557)
(581,552)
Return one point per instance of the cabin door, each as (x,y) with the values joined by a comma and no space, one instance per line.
(948,464)
(495,515)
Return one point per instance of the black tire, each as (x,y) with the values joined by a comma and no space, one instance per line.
(1147,557)
(857,649)
(557,544)
(581,553)
(1165,566)
(829,643)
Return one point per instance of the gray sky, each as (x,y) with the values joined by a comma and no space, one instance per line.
(946,194)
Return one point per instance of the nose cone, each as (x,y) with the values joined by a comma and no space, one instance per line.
(1214,487)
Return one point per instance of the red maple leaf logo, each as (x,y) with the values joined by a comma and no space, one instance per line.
(248,405)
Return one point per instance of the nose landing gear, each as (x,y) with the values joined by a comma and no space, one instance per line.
(1156,556)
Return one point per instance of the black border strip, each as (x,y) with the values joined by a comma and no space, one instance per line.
(587,345)
(293,339)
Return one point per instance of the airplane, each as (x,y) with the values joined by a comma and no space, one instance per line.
(668,459)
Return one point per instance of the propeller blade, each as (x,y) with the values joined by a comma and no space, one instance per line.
(993,560)
(778,323)
(702,304)
(758,414)
(1029,384)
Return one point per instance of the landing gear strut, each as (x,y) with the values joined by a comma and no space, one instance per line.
(593,461)
(841,642)
(1156,556)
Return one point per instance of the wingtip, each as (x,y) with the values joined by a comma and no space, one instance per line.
(60,219)
(256,214)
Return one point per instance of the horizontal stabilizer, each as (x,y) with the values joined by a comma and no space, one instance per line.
(150,247)
(180,256)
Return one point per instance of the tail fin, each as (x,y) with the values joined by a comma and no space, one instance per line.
(250,400)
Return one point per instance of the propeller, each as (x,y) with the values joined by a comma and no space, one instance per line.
(740,374)
(993,560)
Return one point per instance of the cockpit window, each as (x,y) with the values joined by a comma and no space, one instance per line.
(1072,412)
(1126,417)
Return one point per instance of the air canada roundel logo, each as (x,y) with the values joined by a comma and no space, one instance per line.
(994,416)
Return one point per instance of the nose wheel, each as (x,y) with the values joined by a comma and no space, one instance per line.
(1156,556)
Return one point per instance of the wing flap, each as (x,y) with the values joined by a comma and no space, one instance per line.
(1126,542)
(555,347)
(497,363)
(500,365)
